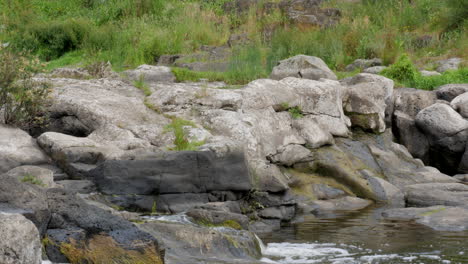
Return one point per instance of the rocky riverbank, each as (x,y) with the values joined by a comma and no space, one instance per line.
(236,160)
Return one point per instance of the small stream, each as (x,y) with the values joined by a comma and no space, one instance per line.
(363,237)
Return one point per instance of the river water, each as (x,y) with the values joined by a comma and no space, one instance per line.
(362,237)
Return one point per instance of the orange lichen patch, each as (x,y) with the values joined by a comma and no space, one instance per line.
(102,249)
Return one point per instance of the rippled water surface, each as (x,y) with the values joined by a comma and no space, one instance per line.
(363,237)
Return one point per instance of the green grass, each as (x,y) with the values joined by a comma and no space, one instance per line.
(142,85)
(129,33)
(181,141)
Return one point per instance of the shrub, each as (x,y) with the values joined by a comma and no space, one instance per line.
(181,141)
(402,71)
(22,99)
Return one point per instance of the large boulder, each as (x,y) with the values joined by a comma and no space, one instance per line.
(302,66)
(439,218)
(460,104)
(20,243)
(43,176)
(449,91)
(187,243)
(367,99)
(430,194)
(408,103)
(18,148)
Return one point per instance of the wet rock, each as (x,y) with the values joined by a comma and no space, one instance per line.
(302,66)
(368,97)
(44,177)
(439,218)
(265,226)
(388,192)
(375,69)
(192,244)
(325,192)
(430,194)
(449,64)
(219,218)
(363,64)
(20,243)
(18,148)
(284,213)
(460,104)
(449,91)
(347,203)
(151,74)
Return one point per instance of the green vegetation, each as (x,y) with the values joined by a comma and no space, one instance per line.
(142,85)
(181,141)
(433,211)
(405,73)
(295,112)
(32,179)
(129,33)
(228,223)
(22,100)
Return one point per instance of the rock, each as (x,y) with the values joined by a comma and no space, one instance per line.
(449,91)
(78,186)
(18,148)
(176,172)
(375,69)
(72,73)
(430,73)
(440,121)
(461,177)
(20,242)
(368,97)
(265,226)
(284,213)
(29,197)
(463,166)
(219,218)
(308,13)
(151,74)
(192,244)
(439,218)
(325,192)
(449,64)
(302,66)
(363,64)
(291,154)
(429,194)
(347,203)
(460,104)
(314,135)
(44,176)
(387,192)
(408,103)
(102,229)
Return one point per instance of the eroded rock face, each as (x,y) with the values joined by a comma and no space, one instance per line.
(302,66)
(18,148)
(20,243)
(367,99)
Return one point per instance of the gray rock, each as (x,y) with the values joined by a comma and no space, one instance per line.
(463,166)
(177,172)
(363,64)
(265,226)
(375,69)
(191,244)
(291,154)
(429,194)
(284,213)
(387,192)
(302,66)
(440,121)
(461,177)
(72,73)
(368,97)
(20,243)
(325,192)
(221,218)
(449,64)
(430,73)
(43,175)
(449,91)
(18,148)
(78,186)
(460,104)
(347,203)
(151,74)
(314,135)
(439,218)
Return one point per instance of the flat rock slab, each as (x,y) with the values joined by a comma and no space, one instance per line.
(430,194)
(439,218)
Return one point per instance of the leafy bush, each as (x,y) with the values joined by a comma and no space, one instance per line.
(23,101)
(402,71)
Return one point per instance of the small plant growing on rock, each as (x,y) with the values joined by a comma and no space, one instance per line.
(295,112)
(32,179)
(23,100)
(181,140)
(141,84)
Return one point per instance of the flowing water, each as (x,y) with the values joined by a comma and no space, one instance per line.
(363,237)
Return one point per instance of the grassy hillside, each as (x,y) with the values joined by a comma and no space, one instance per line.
(132,32)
